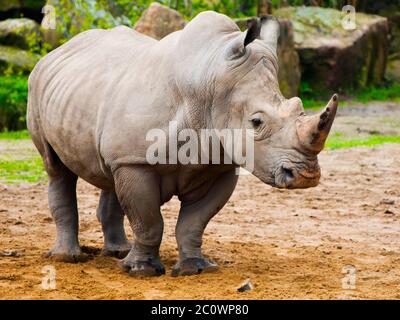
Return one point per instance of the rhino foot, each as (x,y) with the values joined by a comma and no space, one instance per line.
(150,268)
(69,256)
(191,266)
(118,251)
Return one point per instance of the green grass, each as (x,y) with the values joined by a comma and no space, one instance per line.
(15,135)
(27,170)
(388,93)
(335,142)
(384,93)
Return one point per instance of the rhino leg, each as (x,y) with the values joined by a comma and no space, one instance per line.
(111,216)
(138,190)
(193,219)
(63,207)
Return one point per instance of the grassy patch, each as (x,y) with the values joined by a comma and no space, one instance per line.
(384,93)
(336,142)
(387,93)
(27,170)
(15,135)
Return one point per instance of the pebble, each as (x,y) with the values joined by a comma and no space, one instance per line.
(246,286)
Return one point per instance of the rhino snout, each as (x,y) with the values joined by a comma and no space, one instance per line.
(297,177)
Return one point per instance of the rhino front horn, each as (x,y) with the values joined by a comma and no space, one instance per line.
(313,130)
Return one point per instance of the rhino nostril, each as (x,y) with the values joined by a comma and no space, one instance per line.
(288,174)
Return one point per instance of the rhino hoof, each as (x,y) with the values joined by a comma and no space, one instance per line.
(68,257)
(149,268)
(117,252)
(193,266)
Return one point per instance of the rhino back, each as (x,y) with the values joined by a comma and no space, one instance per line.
(76,88)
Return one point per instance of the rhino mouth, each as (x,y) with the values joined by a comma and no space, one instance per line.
(297,176)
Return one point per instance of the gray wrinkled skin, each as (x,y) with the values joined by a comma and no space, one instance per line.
(92,100)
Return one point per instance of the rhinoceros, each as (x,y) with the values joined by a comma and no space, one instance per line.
(92,100)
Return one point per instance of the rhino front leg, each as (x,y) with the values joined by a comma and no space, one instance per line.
(111,216)
(193,219)
(138,191)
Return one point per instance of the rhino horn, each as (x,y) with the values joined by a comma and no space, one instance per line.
(313,130)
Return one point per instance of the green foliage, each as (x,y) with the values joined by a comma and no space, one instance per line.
(336,141)
(13,98)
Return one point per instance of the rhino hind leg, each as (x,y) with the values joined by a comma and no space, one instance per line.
(111,216)
(138,190)
(63,207)
(193,219)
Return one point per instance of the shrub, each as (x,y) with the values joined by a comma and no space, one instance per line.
(13,98)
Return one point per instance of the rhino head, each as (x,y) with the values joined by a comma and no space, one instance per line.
(235,76)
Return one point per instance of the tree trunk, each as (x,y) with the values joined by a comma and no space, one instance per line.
(263,8)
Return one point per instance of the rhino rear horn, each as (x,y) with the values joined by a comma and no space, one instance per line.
(313,130)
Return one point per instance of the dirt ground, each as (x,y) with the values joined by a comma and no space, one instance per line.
(339,240)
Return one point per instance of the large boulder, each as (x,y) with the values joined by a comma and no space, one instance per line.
(22,33)
(16,60)
(333,58)
(6,5)
(158,21)
(289,65)
(73,17)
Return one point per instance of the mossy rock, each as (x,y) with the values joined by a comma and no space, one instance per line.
(16,60)
(6,5)
(333,58)
(22,33)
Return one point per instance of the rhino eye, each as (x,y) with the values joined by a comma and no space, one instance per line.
(256,122)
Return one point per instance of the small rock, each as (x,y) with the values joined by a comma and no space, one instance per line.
(246,286)
(387,201)
(388,211)
(10,253)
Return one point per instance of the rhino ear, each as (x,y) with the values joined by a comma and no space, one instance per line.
(238,47)
(253,31)
(270,31)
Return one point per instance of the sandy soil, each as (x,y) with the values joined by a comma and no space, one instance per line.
(290,244)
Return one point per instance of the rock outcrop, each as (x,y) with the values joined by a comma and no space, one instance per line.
(158,21)
(335,59)
(21,33)
(16,60)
